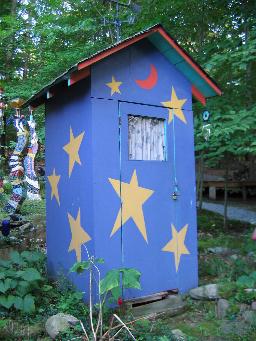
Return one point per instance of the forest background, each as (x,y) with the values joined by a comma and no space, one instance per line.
(40,39)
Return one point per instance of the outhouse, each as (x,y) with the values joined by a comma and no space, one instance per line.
(120,162)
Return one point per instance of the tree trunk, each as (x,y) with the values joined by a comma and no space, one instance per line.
(201,182)
(226,199)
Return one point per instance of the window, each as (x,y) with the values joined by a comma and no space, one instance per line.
(146,138)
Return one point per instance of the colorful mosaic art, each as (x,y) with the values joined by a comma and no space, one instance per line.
(31,180)
(17,170)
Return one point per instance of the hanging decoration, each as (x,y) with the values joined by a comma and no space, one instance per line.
(15,163)
(2,107)
(206,128)
(31,180)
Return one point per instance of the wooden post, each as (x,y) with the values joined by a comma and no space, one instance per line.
(201,182)
(226,198)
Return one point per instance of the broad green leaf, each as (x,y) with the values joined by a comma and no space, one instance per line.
(79,267)
(18,303)
(16,258)
(99,260)
(28,304)
(253,275)
(32,256)
(5,285)
(31,274)
(131,278)
(110,281)
(116,293)
(7,301)
(23,288)
(245,282)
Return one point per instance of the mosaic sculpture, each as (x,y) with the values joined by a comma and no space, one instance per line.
(2,107)
(15,163)
(31,181)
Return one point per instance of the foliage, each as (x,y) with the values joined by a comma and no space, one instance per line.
(20,281)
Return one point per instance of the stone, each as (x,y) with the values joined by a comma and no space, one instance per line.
(178,335)
(253,305)
(219,250)
(243,307)
(249,317)
(58,323)
(205,292)
(250,290)
(222,308)
(234,257)
(238,328)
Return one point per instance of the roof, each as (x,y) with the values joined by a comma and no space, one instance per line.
(203,86)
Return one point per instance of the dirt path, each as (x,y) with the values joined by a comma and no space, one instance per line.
(238,212)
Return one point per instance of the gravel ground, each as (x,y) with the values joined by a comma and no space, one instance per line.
(238,211)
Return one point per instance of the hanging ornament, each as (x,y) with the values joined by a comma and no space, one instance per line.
(15,163)
(206,128)
(31,180)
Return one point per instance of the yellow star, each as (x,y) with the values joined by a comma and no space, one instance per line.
(176,244)
(72,149)
(79,236)
(54,181)
(114,86)
(133,197)
(175,107)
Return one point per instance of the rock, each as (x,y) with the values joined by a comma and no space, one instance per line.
(250,317)
(58,323)
(243,307)
(205,292)
(234,257)
(250,290)
(222,308)
(219,250)
(238,328)
(178,335)
(250,254)
(253,305)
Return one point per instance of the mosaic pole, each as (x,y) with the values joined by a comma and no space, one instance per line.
(2,107)
(31,179)
(15,163)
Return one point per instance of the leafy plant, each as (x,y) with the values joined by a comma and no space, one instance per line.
(112,283)
(20,280)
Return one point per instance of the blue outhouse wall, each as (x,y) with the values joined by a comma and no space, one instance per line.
(70,109)
(89,107)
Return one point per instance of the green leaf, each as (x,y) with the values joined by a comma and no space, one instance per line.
(28,304)
(110,281)
(7,302)
(131,278)
(5,263)
(245,282)
(79,267)
(5,285)
(18,303)
(116,293)
(253,275)
(32,256)
(2,275)
(16,258)
(23,288)
(99,260)
(47,288)
(31,274)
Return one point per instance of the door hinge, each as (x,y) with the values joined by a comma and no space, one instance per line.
(120,120)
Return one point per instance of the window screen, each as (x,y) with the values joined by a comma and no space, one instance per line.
(146,138)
